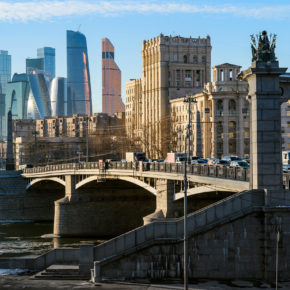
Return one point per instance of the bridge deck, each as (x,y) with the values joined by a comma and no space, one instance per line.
(233,178)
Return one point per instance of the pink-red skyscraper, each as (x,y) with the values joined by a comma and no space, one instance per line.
(111,75)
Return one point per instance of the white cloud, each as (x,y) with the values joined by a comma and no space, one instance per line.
(44,10)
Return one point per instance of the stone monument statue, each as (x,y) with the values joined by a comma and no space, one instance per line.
(263,49)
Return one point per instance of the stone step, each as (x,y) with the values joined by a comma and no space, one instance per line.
(61,272)
(61,277)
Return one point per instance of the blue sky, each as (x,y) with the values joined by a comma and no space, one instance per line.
(27,25)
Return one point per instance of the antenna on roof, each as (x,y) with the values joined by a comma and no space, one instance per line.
(79,28)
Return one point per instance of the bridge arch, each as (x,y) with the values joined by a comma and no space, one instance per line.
(123,178)
(37,180)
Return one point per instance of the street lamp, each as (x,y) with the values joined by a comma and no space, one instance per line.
(35,133)
(189,100)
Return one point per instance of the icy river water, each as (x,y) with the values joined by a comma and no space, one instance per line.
(20,239)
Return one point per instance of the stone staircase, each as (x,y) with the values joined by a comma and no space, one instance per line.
(61,272)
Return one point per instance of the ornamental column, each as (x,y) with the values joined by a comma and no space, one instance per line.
(264,95)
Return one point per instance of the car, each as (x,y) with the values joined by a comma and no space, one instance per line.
(224,162)
(202,161)
(241,163)
(232,158)
(212,161)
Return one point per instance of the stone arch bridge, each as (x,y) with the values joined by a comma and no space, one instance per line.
(129,194)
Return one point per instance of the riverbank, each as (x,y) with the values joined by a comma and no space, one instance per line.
(13,282)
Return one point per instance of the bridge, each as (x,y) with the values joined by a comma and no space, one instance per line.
(145,191)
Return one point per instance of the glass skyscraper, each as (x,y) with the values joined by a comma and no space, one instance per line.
(5,77)
(78,75)
(58,97)
(45,63)
(5,70)
(48,56)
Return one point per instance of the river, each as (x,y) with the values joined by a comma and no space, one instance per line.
(20,239)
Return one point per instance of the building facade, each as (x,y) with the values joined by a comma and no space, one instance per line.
(78,75)
(134,110)
(220,117)
(111,80)
(66,139)
(172,68)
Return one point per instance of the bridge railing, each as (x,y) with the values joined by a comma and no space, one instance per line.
(217,171)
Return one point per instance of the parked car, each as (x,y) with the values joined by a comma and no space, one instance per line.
(202,161)
(232,158)
(242,163)
(212,161)
(224,162)
(286,167)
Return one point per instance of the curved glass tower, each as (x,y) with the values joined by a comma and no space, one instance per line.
(78,74)
(58,97)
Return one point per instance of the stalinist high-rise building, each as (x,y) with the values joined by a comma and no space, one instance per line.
(111,80)
(173,67)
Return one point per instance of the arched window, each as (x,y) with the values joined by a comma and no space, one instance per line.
(185,58)
(220,108)
(232,108)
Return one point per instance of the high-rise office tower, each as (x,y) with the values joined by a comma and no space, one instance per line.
(111,79)
(58,97)
(5,77)
(48,56)
(5,69)
(45,63)
(78,74)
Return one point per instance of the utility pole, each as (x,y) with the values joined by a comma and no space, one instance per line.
(277,258)
(35,133)
(189,100)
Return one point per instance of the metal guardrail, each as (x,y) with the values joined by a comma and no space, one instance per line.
(217,171)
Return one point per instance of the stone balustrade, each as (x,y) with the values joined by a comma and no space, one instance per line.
(216,171)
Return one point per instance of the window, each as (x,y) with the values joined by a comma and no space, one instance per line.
(195,60)
(185,58)
(178,77)
(197,78)
(188,80)
(222,75)
(232,108)
(231,74)
(203,60)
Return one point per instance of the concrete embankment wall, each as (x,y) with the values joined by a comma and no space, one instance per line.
(233,239)
(62,256)
(36,203)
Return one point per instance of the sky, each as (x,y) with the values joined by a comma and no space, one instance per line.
(27,25)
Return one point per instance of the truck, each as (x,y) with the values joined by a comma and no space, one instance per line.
(135,156)
(173,157)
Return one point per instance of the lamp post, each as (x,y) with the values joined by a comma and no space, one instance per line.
(189,100)
(35,133)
